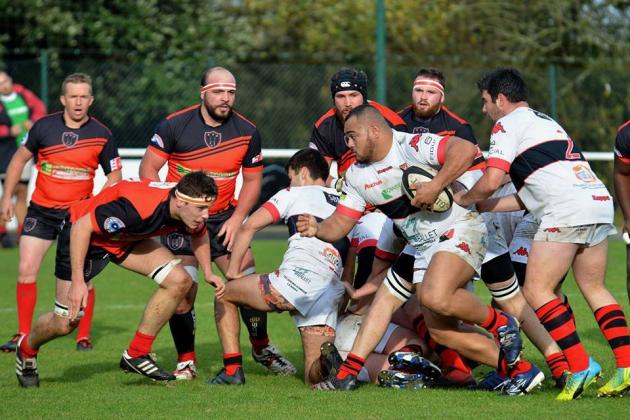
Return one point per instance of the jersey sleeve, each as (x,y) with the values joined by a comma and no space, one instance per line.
(114,216)
(318,142)
(425,149)
(32,139)
(503,146)
(465,132)
(622,143)
(163,140)
(278,205)
(351,204)
(253,160)
(109,157)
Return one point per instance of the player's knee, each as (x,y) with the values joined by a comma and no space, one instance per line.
(439,303)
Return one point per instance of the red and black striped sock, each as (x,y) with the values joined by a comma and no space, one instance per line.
(558,322)
(351,366)
(231,362)
(495,320)
(565,302)
(557,364)
(449,358)
(612,322)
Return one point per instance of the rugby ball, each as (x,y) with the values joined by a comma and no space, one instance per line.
(414,174)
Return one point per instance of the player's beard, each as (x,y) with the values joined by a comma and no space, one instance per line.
(368,154)
(219,117)
(426,112)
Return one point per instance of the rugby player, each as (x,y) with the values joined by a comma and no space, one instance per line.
(118,224)
(622,185)
(307,283)
(450,248)
(69,145)
(211,136)
(575,214)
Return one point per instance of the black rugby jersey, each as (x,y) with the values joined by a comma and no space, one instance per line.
(67,159)
(622,142)
(189,144)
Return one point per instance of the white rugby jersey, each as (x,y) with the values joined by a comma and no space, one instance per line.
(549,171)
(308,253)
(379,184)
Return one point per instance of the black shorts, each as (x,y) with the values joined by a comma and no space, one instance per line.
(43,222)
(95,260)
(179,243)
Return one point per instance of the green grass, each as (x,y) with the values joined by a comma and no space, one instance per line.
(90,385)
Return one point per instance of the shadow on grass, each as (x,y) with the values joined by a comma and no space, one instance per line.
(82,372)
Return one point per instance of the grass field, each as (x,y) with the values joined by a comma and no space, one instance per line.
(90,385)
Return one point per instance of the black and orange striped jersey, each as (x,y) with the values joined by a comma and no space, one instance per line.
(189,144)
(328,136)
(622,142)
(67,159)
(444,123)
(129,211)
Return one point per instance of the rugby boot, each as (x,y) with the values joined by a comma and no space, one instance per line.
(510,340)
(10,345)
(224,379)
(329,359)
(524,382)
(349,383)
(577,382)
(414,363)
(272,359)
(145,365)
(185,370)
(26,369)
(493,381)
(618,385)
(391,378)
(85,344)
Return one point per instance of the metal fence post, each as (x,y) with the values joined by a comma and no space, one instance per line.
(553,91)
(381,33)
(43,76)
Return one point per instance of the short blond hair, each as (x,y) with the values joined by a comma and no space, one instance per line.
(76,78)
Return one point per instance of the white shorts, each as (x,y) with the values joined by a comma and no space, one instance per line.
(347,329)
(585,235)
(467,239)
(316,306)
(522,238)
(367,230)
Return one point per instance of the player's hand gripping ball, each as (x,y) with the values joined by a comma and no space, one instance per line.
(414,174)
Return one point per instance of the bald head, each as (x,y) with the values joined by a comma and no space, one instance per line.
(367,115)
(367,134)
(217,75)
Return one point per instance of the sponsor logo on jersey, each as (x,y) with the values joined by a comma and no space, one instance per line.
(113,224)
(331,255)
(522,251)
(65,172)
(212,138)
(372,184)
(382,171)
(387,193)
(115,164)
(498,128)
(157,140)
(464,247)
(584,173)
(601,197)
(69,138)
(414,142)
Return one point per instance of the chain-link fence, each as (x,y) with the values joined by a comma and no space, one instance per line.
(284,100)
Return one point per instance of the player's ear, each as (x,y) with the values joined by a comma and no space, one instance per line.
(62,99)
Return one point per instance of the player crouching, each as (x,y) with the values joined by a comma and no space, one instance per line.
(307,284)
(119,224)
